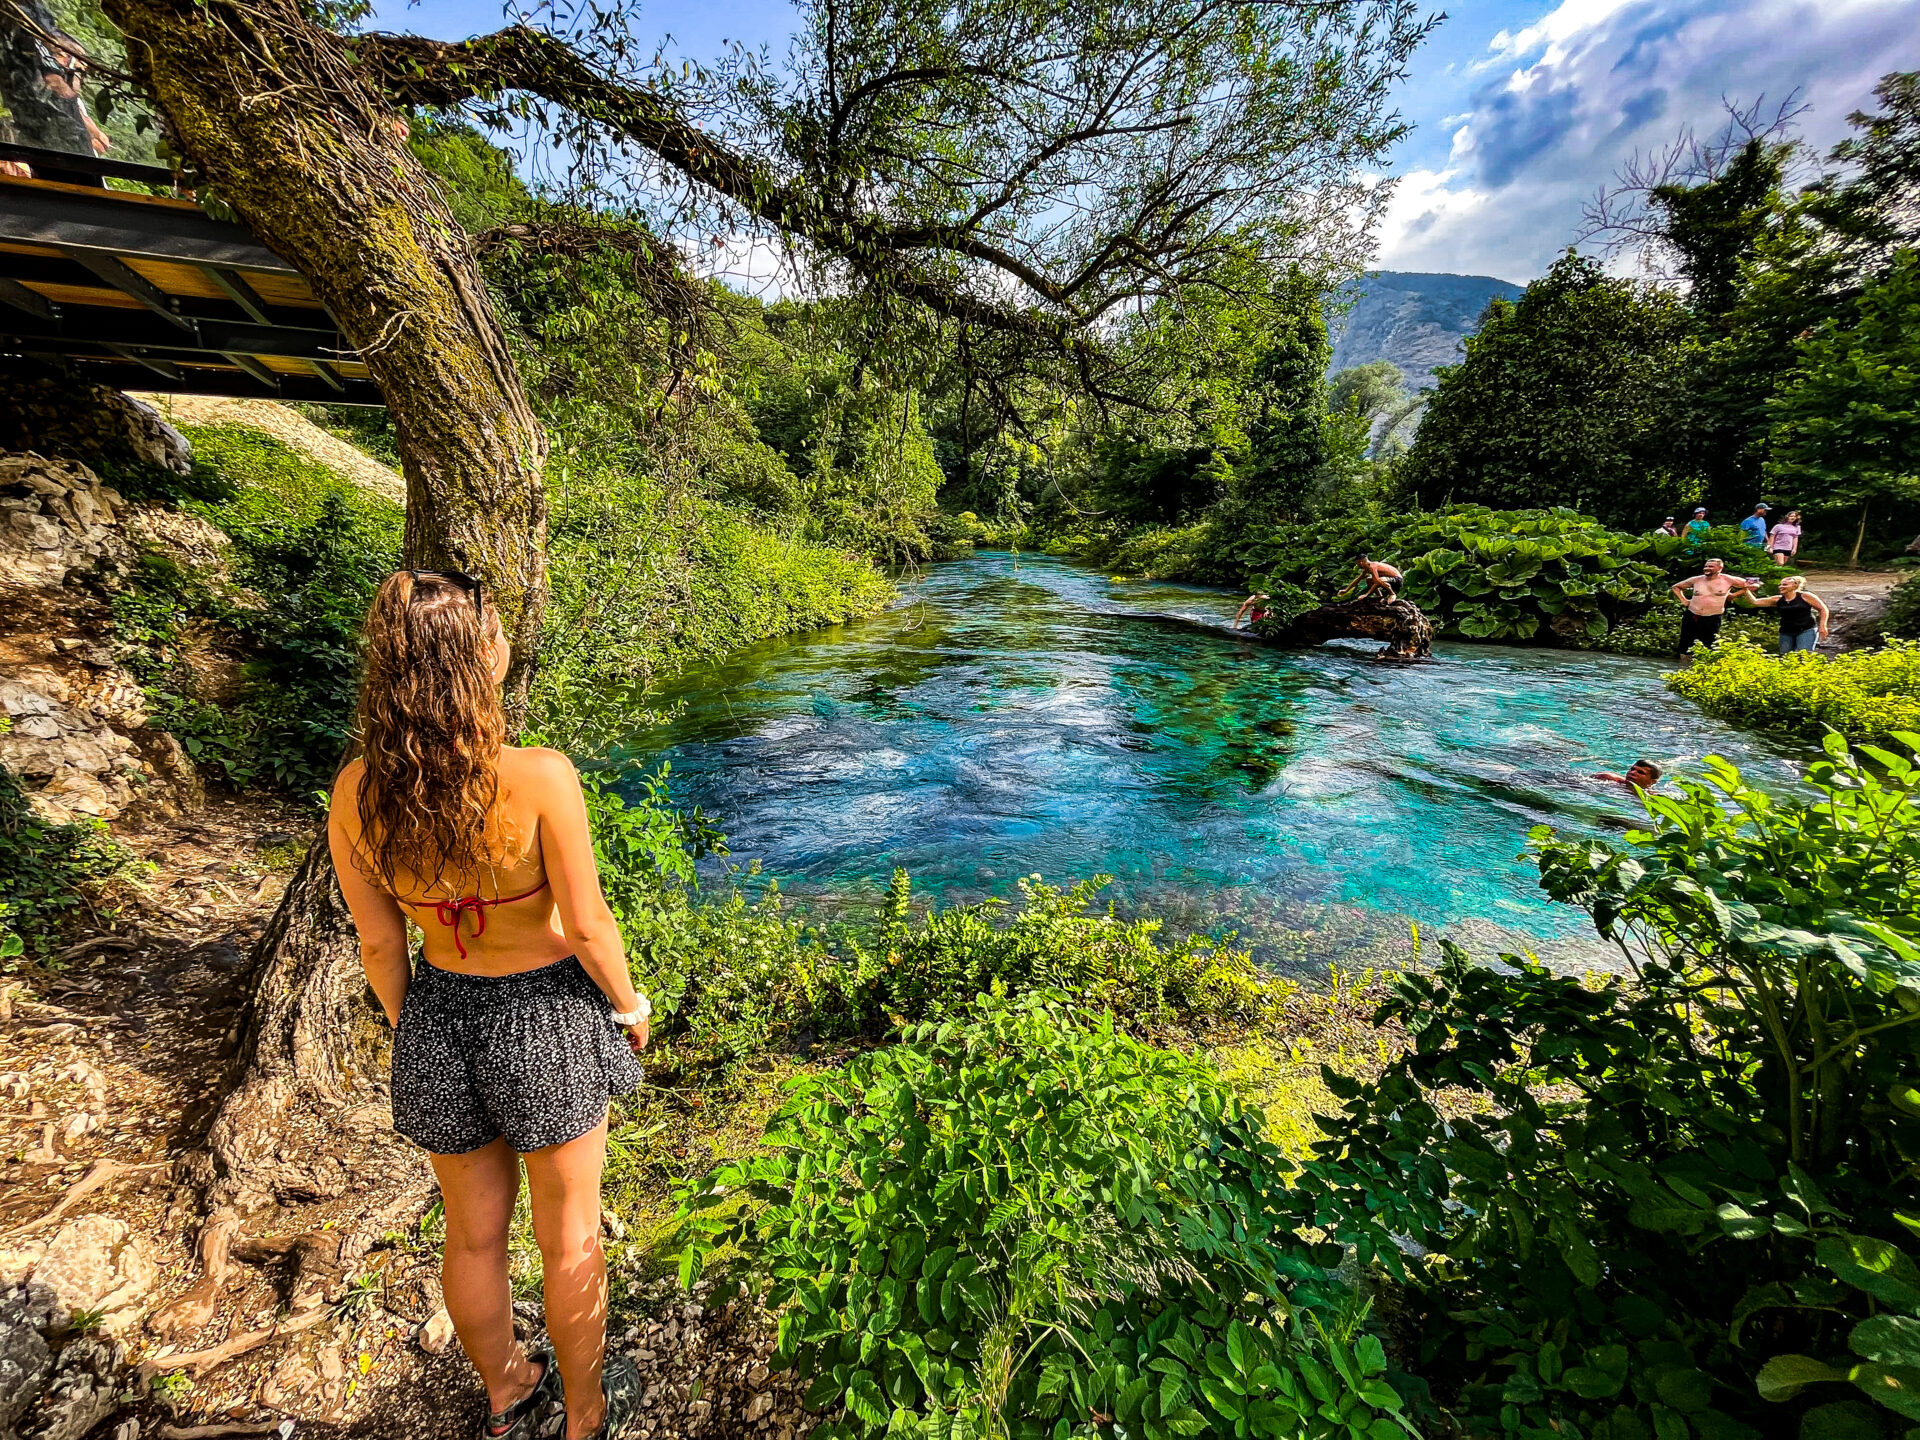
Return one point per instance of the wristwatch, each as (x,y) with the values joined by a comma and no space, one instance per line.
(642,1011)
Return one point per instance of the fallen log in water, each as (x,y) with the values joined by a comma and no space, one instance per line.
(1400,623)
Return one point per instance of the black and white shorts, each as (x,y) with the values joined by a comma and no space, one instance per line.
(534,1057)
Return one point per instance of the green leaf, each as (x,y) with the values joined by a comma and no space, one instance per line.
(865,1399)
(1884,1271)
(1889,1339)
(1842,1420)
(1895,1386)
(1785,1376)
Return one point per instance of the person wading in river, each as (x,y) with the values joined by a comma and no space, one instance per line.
(520,1021)
(1803,615)
(1706,600)
(1252,610)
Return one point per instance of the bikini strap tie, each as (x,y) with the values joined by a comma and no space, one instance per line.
(449,912)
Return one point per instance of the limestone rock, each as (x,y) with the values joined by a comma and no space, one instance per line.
(437,1333)
(56,520)
(41,409)
(94,1264)
(83,1392)
(17,1262)
(25,1358)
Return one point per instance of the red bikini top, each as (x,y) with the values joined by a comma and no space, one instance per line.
(450,911)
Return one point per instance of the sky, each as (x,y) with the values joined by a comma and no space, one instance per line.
(1521,109)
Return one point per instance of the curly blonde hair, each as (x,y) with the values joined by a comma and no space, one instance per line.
(430,729)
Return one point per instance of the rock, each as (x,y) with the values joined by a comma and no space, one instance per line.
(78,1125)
(93,1264)
(758,1407)
(83,1392)
(25,1358)
(437,1333)
(17,1262)
(59,414)
(14,1085)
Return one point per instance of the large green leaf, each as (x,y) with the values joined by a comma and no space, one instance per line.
(1785,1376)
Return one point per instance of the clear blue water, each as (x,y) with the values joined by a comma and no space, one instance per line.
(1021,714)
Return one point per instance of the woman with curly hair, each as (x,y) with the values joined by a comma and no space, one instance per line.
(520,1020)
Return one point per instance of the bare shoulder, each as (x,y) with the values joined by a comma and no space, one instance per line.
(537,767)
(346,788)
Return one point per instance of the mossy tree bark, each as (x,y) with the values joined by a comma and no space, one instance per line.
(270,110)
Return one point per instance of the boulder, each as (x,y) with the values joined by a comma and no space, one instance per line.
(56,414)
(92,1264)
(83,1391)
(58,520)
(26,1360)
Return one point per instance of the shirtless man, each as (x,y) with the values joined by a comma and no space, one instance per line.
(1376,575)
(1706,597)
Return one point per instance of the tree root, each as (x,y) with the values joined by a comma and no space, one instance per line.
(214,1432)
(201,1361)
(191,1312)
(103,1173)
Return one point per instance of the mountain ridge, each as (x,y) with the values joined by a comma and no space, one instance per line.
(1416,319)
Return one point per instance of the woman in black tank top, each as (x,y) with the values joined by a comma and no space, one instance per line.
(1803,615)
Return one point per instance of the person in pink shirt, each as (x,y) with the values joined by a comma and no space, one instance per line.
(1784,540)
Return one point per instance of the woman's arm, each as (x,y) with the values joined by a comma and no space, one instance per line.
(376,915)
(1820,609)
(566,848)
(1757,600)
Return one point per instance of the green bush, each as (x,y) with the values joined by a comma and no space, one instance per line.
(1675,1203)
(1656,632)
(1863,694)
(255,672)
(1023,1223)
(1902,618)
(47,871)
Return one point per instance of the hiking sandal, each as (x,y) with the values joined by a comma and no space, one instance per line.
(517,1421)
(620,1383)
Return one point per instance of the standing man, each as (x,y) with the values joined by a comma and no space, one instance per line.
(1697,527)
(1706,601)
(1754,527)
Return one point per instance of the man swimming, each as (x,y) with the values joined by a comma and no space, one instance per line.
(1641,775)
(1706,596)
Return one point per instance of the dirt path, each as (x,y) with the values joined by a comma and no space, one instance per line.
(290,428)
(1857,599)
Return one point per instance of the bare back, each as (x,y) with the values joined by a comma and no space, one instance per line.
(537,798)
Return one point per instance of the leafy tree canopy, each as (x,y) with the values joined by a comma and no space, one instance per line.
(1565,398)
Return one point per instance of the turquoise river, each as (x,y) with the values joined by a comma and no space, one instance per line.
(1016,715)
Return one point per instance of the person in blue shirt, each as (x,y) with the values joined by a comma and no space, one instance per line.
(1755,527)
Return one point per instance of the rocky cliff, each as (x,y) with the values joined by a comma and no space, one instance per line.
(1414,320)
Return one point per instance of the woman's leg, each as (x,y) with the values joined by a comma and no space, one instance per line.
(564,1184)
(479,1189)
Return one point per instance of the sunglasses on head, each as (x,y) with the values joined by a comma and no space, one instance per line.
(469,583)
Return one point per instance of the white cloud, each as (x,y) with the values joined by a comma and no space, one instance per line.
(1552,30)
(1598,80)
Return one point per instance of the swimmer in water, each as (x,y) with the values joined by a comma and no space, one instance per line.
(1641,775)
(1253,610)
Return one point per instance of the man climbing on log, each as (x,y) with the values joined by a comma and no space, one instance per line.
(1376,575)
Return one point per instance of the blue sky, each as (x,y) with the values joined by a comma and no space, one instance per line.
(1520,109)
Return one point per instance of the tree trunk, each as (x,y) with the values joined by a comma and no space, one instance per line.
(295,1043)
(1859,538)
(271,109)
(313,160)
